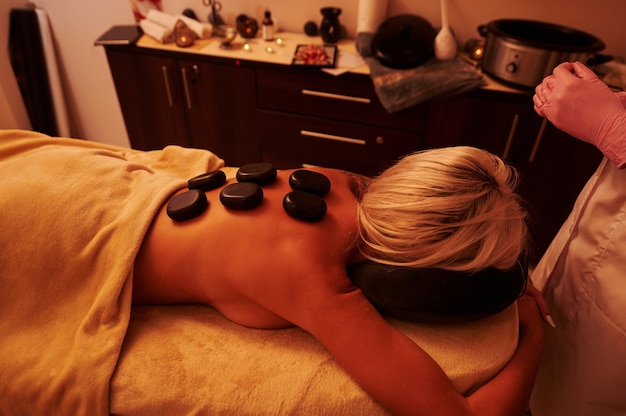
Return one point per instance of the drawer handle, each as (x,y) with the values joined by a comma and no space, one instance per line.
(332,137)
(509,140)
(337,96)
(186,87)
(166,80)
(542,129)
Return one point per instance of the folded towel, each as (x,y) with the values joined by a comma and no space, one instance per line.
(157,31)
(398,89)
(73,215)
(168,21)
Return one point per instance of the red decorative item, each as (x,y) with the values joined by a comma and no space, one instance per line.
(142,7)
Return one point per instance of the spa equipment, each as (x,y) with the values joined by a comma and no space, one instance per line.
(523,52)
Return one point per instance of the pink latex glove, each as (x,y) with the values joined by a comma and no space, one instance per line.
(576,101)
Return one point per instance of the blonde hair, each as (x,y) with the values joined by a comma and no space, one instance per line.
(453,208)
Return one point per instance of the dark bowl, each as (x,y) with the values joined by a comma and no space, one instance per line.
(404,41)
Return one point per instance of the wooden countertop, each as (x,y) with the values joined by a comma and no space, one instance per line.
(348,59)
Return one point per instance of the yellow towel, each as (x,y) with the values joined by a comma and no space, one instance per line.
(72,217)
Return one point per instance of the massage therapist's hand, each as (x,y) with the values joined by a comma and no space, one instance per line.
(576,101)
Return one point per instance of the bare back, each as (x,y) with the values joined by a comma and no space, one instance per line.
(229,259)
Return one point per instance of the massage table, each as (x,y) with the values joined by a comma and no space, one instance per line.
(73,216)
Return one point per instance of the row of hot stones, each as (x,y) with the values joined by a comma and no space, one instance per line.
(305,202)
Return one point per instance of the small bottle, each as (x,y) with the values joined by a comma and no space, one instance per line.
(267,26)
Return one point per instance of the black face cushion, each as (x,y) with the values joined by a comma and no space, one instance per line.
(437,295)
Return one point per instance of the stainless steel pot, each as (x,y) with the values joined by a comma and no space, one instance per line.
(523,52)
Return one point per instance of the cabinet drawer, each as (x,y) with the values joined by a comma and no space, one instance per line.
(289,141)
(348,97)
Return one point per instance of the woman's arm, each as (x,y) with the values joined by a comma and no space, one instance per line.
(395,371)
(509,391)
(405,380)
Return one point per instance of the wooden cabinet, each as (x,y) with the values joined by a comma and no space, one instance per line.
(306,117)
(291,140)
(553,165)
(168,100)
(150,98)
(492,122)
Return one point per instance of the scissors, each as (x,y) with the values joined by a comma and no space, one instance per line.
(216,6)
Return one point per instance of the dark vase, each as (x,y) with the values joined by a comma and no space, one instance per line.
(330,28)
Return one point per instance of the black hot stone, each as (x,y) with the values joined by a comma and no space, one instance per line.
(187,205)
(304,206)
(207,181)
(259,173)
(309,181)
(241,196)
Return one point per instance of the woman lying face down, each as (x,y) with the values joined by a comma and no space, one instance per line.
(453,209)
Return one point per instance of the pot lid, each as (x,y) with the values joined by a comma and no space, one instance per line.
(404,41)
(545,35)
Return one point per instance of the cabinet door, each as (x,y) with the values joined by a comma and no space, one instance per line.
(220,102)
(149,94)
(490,124)
(555,166)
